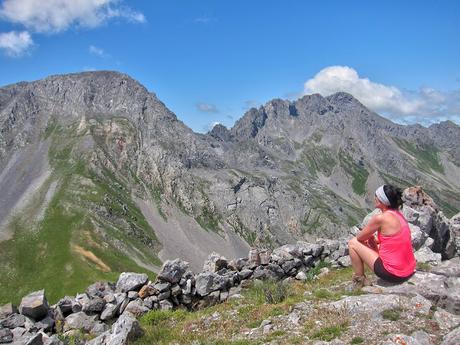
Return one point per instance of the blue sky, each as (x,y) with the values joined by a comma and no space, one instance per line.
(209,61)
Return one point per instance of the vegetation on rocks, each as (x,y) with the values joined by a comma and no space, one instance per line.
(319,159)
(356,171)
(426,155)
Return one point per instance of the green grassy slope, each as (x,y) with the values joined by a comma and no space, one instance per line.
(89,231)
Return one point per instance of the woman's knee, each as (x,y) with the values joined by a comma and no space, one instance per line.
(352,243)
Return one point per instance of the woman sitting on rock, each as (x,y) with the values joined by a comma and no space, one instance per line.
(391,257)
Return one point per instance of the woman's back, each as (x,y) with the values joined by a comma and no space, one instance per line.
(391,223)
(396,245)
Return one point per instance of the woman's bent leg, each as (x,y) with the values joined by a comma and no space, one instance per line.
(361,254)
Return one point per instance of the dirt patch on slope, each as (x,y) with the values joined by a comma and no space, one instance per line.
(91,257)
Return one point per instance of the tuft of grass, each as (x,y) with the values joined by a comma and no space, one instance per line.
(74,339)
(423,266)
(313,272)
(326,324)
(274,335)
(331,332)
(156,317)
(392,314)
(271,292)
(357,340)
(324,294)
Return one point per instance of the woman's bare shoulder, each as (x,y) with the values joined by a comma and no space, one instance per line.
(378,218)
(390,218)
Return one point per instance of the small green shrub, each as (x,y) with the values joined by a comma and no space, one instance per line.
(156,317)
(423,266)
(357,340)
(312,273)
(323,294)
(276,292)
(271,292)
(392,314)
(331,332)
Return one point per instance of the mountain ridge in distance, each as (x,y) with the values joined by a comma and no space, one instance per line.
(120,183)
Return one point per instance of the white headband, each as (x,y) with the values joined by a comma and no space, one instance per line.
(380,194)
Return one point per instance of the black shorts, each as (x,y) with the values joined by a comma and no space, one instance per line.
(381,272)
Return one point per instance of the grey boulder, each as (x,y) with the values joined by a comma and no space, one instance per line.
(94,305)
(136,308)
(426,255)
(124,330)
(110,311)
(129,281)
(442,291)
(45,325)
(173,270)
(36,339)
(373,305)
(66,305)
(214,263)
(80,321)
(448,268)
(418,237)
(34,305)
(100,289)
(207,282)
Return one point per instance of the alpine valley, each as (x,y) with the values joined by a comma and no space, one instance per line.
(98,177)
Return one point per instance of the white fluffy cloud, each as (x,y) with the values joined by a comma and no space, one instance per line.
(15,43)
(423,106)
(59,15)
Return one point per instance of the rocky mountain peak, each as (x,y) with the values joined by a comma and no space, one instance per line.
(90,93)
(220,132)
(313,104)
(345,102)
(248,125)
(342,97)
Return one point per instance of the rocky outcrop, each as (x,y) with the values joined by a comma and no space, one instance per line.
(429,224)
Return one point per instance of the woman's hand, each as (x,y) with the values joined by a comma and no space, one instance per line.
(372,243)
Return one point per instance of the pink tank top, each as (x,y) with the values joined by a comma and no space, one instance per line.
(396,251)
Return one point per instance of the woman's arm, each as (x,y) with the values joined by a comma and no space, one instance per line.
(368,231)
